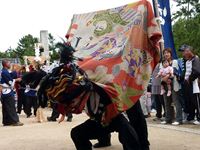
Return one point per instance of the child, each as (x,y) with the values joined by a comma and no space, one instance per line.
(148,100)
(166,73)
(145,101)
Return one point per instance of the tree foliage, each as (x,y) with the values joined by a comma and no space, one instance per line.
(52,43)
(52,48)
(186,29)
(187,32)
(188,8)
(26,46)
(9,53)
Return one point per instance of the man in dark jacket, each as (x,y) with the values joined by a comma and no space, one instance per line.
(192,91)
(10,116)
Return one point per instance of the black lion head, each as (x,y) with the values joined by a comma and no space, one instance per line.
(66,52)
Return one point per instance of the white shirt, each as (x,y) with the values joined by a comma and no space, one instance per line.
(27,89)
(196,87)
(188,72)
(6,89)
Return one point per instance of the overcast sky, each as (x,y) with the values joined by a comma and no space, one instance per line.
(22,17)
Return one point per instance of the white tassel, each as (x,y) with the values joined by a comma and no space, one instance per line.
(40,115)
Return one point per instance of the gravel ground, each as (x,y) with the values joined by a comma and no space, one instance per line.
(54,136)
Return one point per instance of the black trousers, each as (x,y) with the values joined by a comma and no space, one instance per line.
(31,101)
(82,134)
(192,102)
(55,114)
(138,123)
(194,108)
(105,139)
(159,105)
(187,96)
(21,101)
(9,111)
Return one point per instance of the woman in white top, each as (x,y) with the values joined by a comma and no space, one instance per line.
(174,98)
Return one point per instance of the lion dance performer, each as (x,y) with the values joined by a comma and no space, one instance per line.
(110,79)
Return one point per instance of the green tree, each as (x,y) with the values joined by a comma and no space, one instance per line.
(3,55)
(52,48)
(52,43)
(54,55)
(188,8)
(26,46)
(187,31)
(9,53)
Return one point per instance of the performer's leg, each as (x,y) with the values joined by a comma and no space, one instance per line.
(24,102)
(69,117)
(138,122)
(55,114)
(19,101)
(127,135)
(35,104)
(28,106)
(83,133)
(103,141)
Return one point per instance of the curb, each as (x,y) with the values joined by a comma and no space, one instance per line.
(180,129)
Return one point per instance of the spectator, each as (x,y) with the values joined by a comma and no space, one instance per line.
(10,116)
(180,76)
(174,98)
(192,90)
(155,93)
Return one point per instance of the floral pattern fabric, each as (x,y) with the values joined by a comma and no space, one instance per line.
(119,48)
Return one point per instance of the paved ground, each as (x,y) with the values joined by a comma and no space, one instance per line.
(54,136)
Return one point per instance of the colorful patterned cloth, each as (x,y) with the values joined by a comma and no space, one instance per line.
(120,51)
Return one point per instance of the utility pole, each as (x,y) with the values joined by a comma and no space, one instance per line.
(188,17)
(157,15)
